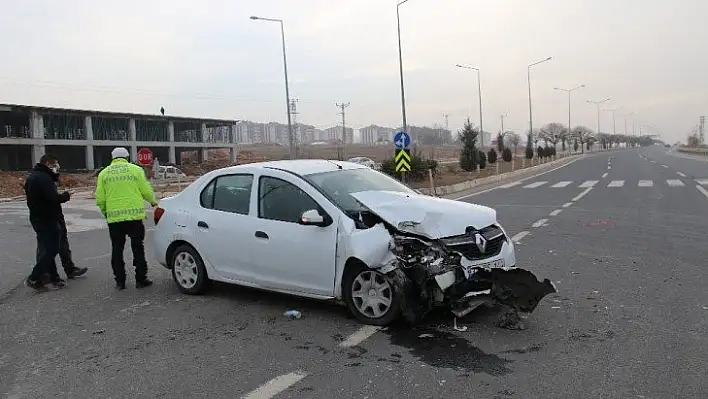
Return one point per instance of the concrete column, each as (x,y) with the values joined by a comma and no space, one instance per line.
(37,132)
(133,138)
(203,130)
(203,154)
(88,127)
(232,134)
(233,155)
(172,153)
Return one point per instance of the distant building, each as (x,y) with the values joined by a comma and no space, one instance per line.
(373,134)
(334,134)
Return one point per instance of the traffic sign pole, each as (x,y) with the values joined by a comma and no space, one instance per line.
(402,155)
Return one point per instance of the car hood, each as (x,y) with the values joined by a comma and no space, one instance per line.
(425,215)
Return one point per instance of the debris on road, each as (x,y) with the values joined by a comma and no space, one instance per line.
(292,314)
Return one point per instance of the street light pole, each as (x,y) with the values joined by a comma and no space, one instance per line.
(400,67)
(614,120)
(598,103)
(569,91)
(528,70)
(291,138)
(479,92)
(625,121)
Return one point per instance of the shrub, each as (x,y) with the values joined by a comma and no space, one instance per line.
(482,159)
(492,156)
(529,146)
(575,145)
(539,152)
(553,151)
(529,153)
(507,155)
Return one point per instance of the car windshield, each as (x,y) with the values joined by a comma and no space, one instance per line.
(339,184)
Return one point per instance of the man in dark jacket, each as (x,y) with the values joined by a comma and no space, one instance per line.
(44,203)
(64,249)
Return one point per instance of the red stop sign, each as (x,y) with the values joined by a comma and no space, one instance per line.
(145,157)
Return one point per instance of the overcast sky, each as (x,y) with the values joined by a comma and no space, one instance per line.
(207,58)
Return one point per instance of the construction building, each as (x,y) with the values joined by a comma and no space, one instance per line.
(84,139)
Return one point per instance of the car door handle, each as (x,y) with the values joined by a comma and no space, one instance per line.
(261,234)
(202,225)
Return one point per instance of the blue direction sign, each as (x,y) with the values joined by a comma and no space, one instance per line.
(402,140)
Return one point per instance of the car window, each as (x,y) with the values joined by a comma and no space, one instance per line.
(280,200)
(228,193)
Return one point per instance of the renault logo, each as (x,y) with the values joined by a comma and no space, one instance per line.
(481,242)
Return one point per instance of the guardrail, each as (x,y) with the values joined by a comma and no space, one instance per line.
(689,150)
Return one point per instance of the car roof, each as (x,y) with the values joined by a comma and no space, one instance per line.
(301,167)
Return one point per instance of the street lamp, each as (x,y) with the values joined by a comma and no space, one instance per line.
(400,67)
(528,69)
(625,121)
(479,91)
(597,103)
(291,139)
(614,121)
(569,91)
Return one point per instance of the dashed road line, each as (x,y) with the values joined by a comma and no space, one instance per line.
(534,185)
(674,183)
(604,175)
(276,386)
(518,236)
(359,336)
(664,166)
(581,195)
(561,184)
(588,184)
(616,183)
(539,223)
(509,185)
(680,174)
(652,161)
(702,182)
(567,204)
(555,213)
(645,183)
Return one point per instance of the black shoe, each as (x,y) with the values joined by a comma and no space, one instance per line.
(120,286)
(37,285)
(76,272)
(143,283)
(57,284)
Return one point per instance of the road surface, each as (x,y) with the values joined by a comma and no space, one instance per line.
(621,234)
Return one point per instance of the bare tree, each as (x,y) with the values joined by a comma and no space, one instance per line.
(512,139)
(583,134)
(553,132)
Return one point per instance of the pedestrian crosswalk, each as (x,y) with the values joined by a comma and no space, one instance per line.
(608,183)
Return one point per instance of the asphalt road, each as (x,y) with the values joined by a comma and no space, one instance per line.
(630,319)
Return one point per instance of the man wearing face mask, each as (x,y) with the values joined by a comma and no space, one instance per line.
(44,203)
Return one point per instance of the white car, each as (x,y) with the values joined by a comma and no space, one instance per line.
(340,231)
(363,161)
(170,172)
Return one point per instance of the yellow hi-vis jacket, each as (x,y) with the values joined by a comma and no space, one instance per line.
(121,188)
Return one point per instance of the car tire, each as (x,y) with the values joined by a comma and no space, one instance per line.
(385,290)
(188,270)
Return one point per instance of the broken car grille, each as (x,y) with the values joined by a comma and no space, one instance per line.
(477,244)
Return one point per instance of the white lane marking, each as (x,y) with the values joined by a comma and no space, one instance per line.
(512,184)
(567,204)
(674,183)
(108,255)
(680,174)
(702,182)
(702,190)
(520,180)
(652,161)
(588,183)
(604,175)
(616,183)
(581,195)
(359,336)
(645,183)
(561,184)
(555,213)
(539,223)
(518,236)
(276,386)
(609,167)
(664,166)
(534,185)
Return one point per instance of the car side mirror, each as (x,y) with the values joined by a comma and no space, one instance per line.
(313,218)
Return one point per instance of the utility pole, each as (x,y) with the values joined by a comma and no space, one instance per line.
(447,126)
(344,129)
(293,126)
(502,123)
(702,130)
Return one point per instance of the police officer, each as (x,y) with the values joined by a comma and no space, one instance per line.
(121,188)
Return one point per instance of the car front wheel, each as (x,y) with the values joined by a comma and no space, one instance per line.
(188,270)
(371,296)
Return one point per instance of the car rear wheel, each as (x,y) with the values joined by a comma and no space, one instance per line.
(188,270)
(371,296)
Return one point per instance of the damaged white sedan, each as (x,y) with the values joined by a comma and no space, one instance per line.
(338,230)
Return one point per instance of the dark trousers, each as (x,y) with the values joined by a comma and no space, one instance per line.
(64,249)
(135,230)
(48,238)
